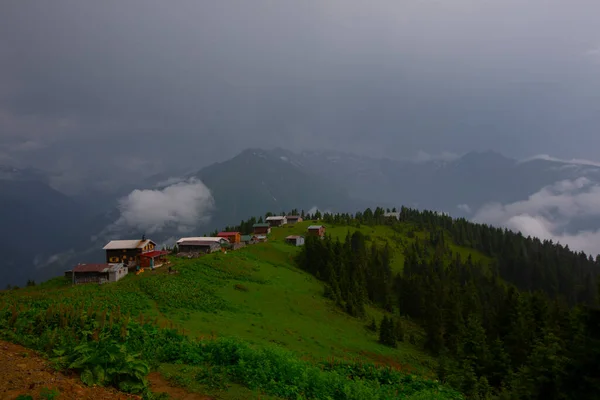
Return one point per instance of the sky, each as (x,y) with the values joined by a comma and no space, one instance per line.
(96,87)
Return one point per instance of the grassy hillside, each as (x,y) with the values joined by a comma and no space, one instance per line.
(255,295)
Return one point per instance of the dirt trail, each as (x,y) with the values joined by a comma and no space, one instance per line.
(22,371)
(158,384)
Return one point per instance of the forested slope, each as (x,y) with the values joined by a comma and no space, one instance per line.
(523,326)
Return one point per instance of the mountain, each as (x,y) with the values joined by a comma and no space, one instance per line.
(37,221)
(258,180)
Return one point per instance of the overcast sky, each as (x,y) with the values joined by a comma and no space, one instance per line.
(151,84)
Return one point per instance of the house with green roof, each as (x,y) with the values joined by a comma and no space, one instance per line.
(261,229)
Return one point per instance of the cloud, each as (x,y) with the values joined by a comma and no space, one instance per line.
(577,161)
(548,213)
(181,206)
(314,209)
(443,156)
(465,208)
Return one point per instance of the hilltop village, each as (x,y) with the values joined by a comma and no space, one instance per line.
(136,255)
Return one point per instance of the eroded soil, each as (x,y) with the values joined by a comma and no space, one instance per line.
(23,372)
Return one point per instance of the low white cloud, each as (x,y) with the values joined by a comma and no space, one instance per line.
(547,213)
(465,208)
(443,156)
(577,161)
(40,262)
(314,209)
(180,206)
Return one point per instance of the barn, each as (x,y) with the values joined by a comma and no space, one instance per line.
(96,273)
(293,219)
(201,244)
(295,240)
(277,220)
(316,230)
(261,229)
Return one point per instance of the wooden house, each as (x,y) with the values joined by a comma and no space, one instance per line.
(201,244)
(278,220)
(233,237)
(128,252)
(249,239)
(96,273)
(261,229)
(316,230)
(295,240)
(153,259)
(293,219)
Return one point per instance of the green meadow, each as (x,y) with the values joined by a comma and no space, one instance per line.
(255,295)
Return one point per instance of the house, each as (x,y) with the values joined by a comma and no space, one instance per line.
(233,237)
(277,220)
(215,239)
(128,252)
(295,240)
(153,259)
(96,273)
(261,229)
(249,239)
(261,238)
(198,246)
(316,230)
(392,215)
(293,219)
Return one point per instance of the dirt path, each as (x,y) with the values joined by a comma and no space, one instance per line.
(22,371)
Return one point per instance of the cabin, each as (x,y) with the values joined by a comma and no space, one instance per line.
(153,259)
(295,240)
(278,220)
(316,230)
(127,252)
(198,246)
(293,219)
(96,273)
(261,229)
(233,237)
(249,239)
(261,238)
(201,244)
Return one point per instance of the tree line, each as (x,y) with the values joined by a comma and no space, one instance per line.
(526,326)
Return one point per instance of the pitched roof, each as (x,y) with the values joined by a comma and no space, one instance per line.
(227,234)
(261,225)
(293,237)
(310,228)
(96,267)
(202,239)
(155,253)
(198,243)
(127,244)
(293,217)
(247,237)
(275,218)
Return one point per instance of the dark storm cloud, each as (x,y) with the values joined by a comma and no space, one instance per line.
(199,81)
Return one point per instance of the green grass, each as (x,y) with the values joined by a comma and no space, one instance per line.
(255,294)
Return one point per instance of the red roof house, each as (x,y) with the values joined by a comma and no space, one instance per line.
(233,237)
